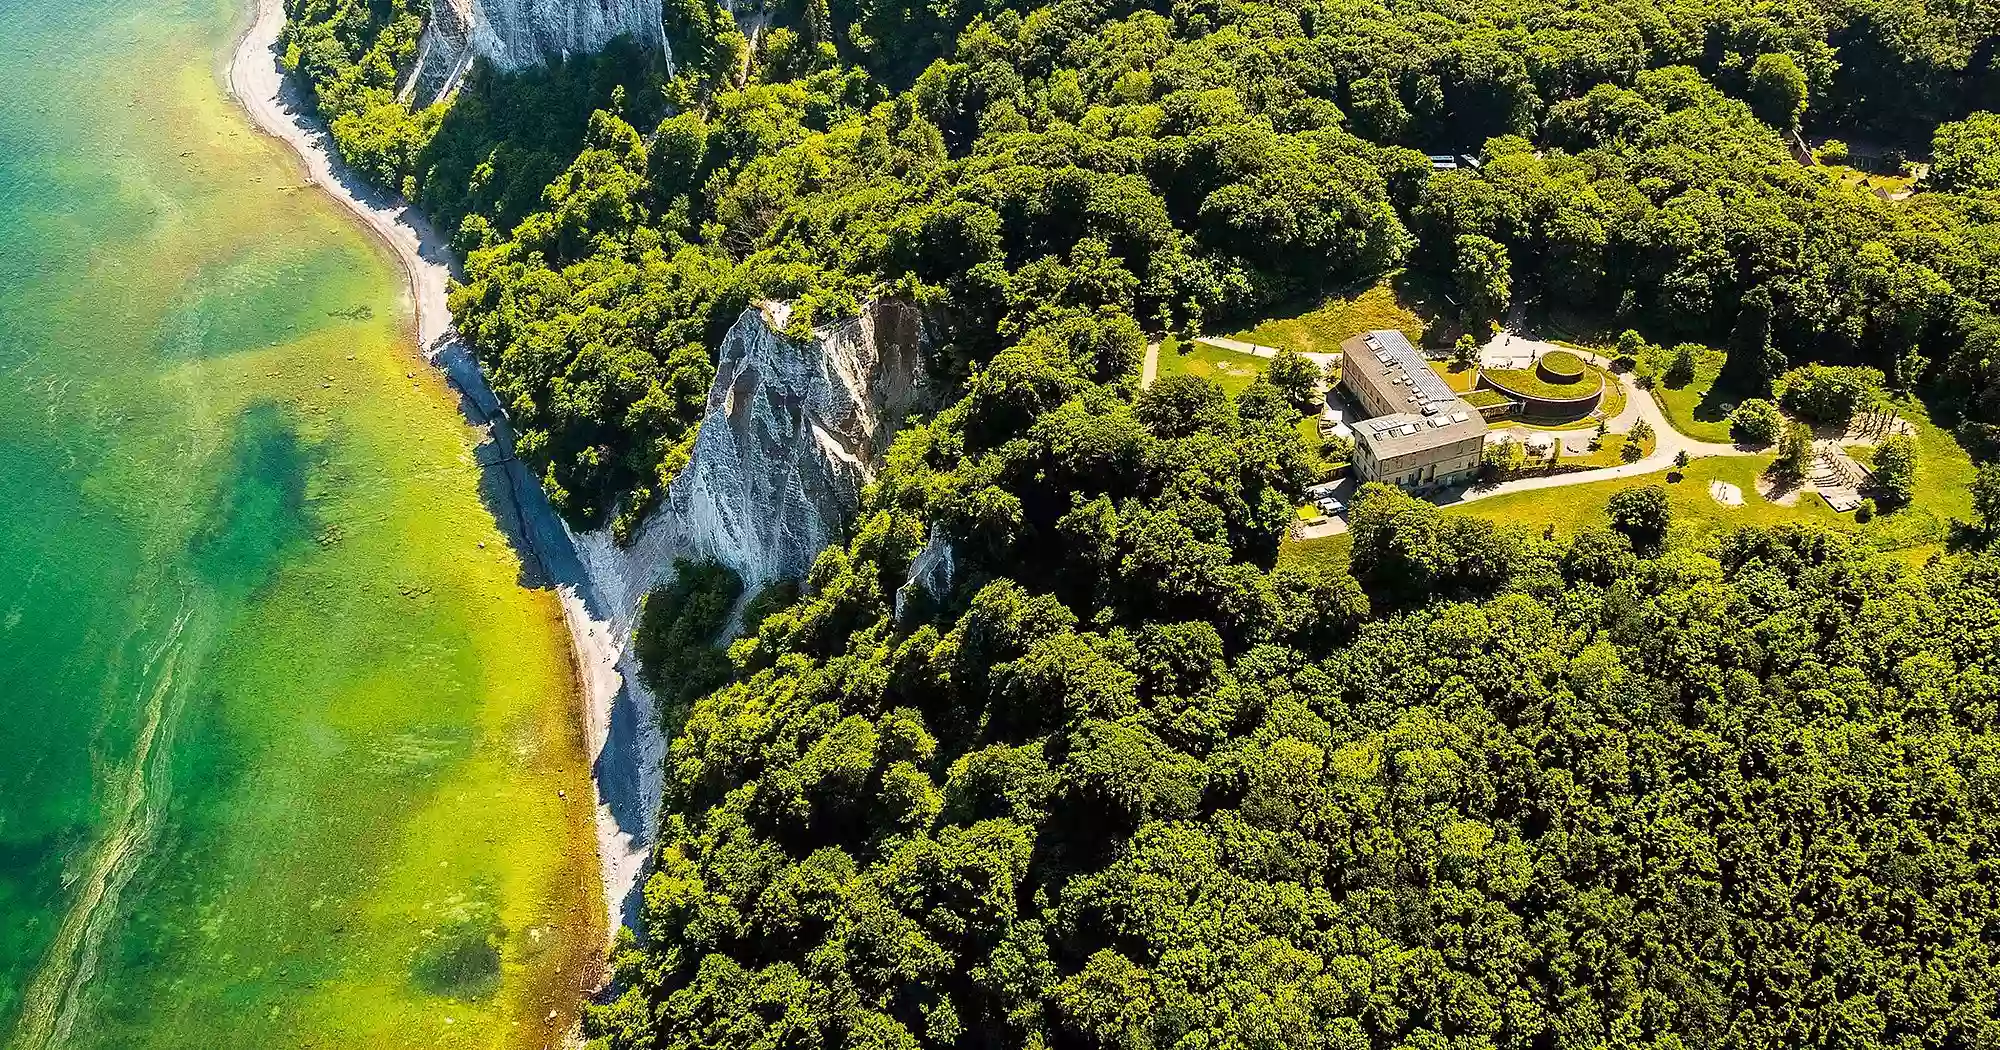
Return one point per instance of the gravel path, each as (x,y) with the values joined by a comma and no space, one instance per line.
(1639,405)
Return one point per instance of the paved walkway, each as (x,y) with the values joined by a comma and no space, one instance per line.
(1149,367)
(1639,404)
(1238,345)
(1319,360)
(1509,350)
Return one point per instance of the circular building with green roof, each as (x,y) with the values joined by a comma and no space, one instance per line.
(1561,386)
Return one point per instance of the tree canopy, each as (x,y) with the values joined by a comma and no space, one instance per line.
(1179,167)
(1139,779)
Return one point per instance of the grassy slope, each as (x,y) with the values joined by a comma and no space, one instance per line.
(1608,407)
(1695,408)
(1331,551)
(1392,302)
(1529,382)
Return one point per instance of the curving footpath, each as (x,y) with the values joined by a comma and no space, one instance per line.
(621,719)
(1639,405)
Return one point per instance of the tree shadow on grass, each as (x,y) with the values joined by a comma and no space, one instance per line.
(1720,400)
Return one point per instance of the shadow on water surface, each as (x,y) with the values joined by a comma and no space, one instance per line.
(514,497)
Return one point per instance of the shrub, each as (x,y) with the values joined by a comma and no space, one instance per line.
(1294,376)
(1866,511)
(679,627)
(1896,469)
(1986,497)
(1828,393)
(1631,345)
(1794,451)
(1756,422)
(1680,371)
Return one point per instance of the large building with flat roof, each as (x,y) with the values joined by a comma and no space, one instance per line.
(1419,434)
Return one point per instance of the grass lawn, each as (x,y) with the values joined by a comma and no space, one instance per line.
(1330,551)
(1857,179)
(1607,454)
(1573,508)
(1610,452)
(1391,302)
(1549,423)
(1226,368)
(1944,479)
(1613,401)
(1695,409)
(1944,475)
(1458,377)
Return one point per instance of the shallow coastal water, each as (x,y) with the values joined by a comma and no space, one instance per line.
(284,740)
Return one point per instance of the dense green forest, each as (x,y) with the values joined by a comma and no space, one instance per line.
(1183,167)
(1141,780)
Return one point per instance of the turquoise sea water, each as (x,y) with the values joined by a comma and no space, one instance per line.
(281,730)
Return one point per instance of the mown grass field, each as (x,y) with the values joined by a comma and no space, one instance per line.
(1573,508)
(1943,493)
(1225,368)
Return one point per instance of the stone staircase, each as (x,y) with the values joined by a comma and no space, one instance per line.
(1838,478)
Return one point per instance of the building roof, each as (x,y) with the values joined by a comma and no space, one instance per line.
(1387,437)
(1398,370)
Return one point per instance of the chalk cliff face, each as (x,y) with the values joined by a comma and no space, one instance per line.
(515,34)
(794,430)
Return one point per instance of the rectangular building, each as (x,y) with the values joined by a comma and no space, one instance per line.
(1419,434)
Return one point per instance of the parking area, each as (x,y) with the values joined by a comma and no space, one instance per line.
(1330,502)
(1335,413)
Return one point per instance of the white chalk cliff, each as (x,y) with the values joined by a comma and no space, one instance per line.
(516,34)
(794,429)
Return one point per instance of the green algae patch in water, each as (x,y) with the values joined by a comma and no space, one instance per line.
(292,757)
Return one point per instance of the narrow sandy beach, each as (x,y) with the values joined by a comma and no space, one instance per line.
(623,731)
